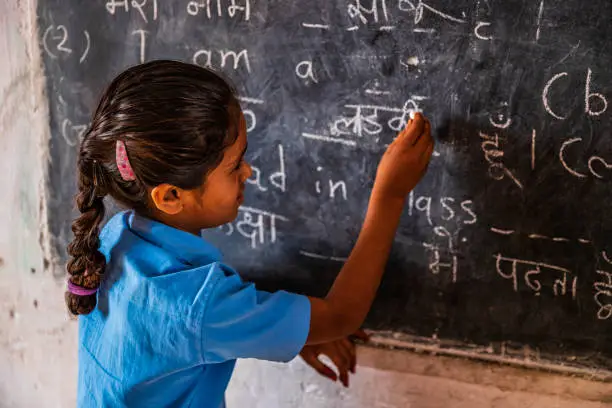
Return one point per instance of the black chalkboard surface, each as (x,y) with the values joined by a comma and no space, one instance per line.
(505,243)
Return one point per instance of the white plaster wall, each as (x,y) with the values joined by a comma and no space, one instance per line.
(38,340)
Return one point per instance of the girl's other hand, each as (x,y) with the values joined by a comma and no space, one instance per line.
(341,352)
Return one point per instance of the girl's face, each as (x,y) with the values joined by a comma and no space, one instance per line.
(223,190)
(217,201)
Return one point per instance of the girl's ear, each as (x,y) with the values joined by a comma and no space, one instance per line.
(167,199)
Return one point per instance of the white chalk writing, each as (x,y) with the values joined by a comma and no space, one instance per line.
(55,41)
(321,26)
(436,252)
(588,98)
(594,103)
(143,43)
(418,7)
(257,226)
(278,179)
(502,231)
(377,92)
(533,149)
(112,6)
(540,12)
(365,121)
(603,288)
(494,155)
(545,100)
(597,166)
(479,34)
(221,58)
(61,35)
(71,133)
(447,216)
(304,71)
(329,139)
(249,114)
(228,6)
(463,214)
(87,47)
(603,291)
(500,120)
(363,15)
(322,257)
(332,187)
(531,275)
(425,30)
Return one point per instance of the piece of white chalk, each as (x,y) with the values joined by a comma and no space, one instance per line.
(412,114)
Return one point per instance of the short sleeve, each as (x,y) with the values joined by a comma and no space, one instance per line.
(243,322)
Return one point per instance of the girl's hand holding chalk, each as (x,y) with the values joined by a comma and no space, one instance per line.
(405,161)
(350,297)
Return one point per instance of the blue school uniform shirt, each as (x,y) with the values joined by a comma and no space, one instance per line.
(172,319)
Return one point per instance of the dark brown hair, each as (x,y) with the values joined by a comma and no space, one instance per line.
(176,120)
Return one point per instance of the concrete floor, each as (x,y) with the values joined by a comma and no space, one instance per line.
(388,379)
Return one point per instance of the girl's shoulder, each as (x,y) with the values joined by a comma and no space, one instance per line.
(112,232)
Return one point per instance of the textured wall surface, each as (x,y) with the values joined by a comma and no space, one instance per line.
(37,341)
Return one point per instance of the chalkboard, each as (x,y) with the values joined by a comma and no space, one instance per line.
(505,243)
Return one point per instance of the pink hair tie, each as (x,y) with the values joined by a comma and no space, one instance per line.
(79,290)
(123,162)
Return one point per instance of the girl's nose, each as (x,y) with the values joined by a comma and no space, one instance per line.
(248,171)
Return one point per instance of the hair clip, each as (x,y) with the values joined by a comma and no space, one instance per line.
(123,162)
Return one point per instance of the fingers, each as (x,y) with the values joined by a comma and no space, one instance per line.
(353,357)
(413,129)
(345,352)
(416,136)
(344,377)
(360,335)
(426,154)
(340,355)
(343,365)
(321,368)
(425,137)
(349,349)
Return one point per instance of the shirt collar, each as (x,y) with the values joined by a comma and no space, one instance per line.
(186,247)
